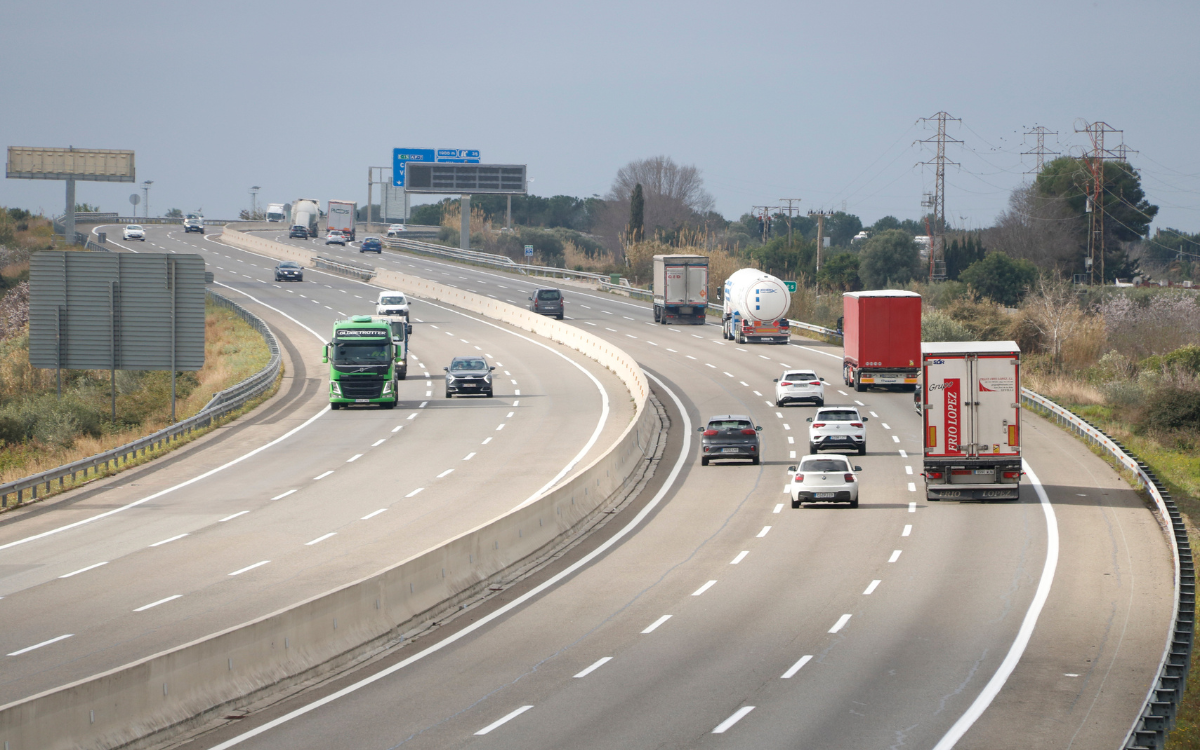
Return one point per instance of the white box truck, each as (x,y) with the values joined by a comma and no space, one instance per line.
(680,289)
(341,218)
(970,400)
(275,212)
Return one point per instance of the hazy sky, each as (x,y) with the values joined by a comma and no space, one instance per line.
(818,101)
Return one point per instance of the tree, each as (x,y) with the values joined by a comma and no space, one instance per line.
(637,213)
(174,213)
(1000,278)
(841,227)
(778,258)
(1038,228)
(959,256)
(1053,310)
(840,271)
(86,208)
(890,257)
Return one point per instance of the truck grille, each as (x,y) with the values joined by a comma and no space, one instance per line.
(361,387)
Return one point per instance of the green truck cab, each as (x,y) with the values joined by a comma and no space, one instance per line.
(362,363)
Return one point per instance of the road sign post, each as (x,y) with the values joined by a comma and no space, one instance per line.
(529,251)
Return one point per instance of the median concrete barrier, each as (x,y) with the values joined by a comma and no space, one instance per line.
(154,696)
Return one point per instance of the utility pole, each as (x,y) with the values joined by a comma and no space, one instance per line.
(254,202)
(146,189)
(790,201)
(1040,151)
(1095,162)
(937,258)
(764,218)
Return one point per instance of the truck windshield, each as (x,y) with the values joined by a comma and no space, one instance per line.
(361,353)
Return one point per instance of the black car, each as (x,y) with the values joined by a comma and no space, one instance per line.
(547,302)
(730,436)
(299,231)
(289,270)
(371,245)
(469,374)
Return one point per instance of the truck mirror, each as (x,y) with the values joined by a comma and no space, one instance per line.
(325,355)
(408,328)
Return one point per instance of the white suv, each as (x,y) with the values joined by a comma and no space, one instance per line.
(135,232)
(799,385)
(837,427)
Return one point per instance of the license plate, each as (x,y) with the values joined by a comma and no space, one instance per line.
(729,450)
(823,494)
(362,400)
(983,471)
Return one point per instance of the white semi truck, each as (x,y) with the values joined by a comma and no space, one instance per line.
(755,308)
(306,212)
(970,401)
(275,212)
(341,218)
(680,289)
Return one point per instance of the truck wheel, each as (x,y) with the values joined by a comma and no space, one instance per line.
(402,375)
(858,386)
(656,313)
(334,406)
(389,404)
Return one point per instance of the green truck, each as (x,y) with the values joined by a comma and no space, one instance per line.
(363,362)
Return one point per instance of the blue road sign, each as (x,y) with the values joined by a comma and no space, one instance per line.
(529,251)
(443,155)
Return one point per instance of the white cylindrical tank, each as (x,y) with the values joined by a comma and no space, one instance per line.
(756,295)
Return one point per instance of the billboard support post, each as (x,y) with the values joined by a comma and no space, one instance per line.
(464,235)
(69,216)
(70,164)
(508,213)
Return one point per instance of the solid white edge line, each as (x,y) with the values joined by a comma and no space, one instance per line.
(504,720)
(1017,649)
(600,663)
(796,667)
(536,591)
(737,716)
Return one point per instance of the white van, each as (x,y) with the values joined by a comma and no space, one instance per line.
(392,303)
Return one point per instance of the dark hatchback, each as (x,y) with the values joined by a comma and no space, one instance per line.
(289,270)
(547,302)
(371,245)
(468,375)
(730,436)
(298,231)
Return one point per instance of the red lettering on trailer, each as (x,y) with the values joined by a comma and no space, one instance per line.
(951,391)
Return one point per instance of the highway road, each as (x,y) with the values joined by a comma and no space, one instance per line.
(295,500)
(718,616)
(725,618)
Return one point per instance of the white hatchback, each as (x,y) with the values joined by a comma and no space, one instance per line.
(824,479)
(135,232)
(837,427)
(799,385)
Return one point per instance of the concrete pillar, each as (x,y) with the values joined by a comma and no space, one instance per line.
(464,236)
(69,216)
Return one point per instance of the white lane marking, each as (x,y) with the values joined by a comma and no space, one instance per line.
(704,588)
(860,403)
(397,428)
(469,456)
(737,716)
(779,414)
(422,406)
(510,415)
(912,486)
(485,442)
(168,541)
(756,393)
(322,476)
(743,382)
(689,356)
(84,570)
(501,427)
(768,403)
(614,330)
(588,323)
(354,458)
(873,414)
(630,335)
(516,403)
(908,470)
(626,317)
(791,440)
(741,556)
(428,394)
(895,439)
(843,392)
(654,625)
(907,529)
(912,507)
(1027,625)
(651,343)
(740,349)
(708,365)
(636,521)
(791,454)
(761,356)
(600,663)
(445,473)
(764,531)
(235,515)
(885,424)
(903,454)
(372,514)
(872,587)
(250,567)
(895,556)
(378,442)
(787,426)
(504,719)
(672,350)
(796,667)
(778,508)
(841,623)
(414,492)
(320,539)
(518,393)
(280,497)
(27,649)
(145,607)
(412,416)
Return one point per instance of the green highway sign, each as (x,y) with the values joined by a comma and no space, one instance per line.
(791,285)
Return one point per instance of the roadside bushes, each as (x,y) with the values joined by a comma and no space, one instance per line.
(938,326)
(1174,408)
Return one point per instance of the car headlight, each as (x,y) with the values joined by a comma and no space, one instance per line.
(334,388)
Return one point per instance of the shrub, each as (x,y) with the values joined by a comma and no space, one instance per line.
(938,326)
(984,320)
(1172,409)
(1000,278)
(1123,393)
(1185,359)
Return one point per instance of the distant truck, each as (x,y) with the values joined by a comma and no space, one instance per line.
(193,223)
(680,289)
(755,308)
(275,212)
(881,336)
(401,330)
(341,218)
(306,212)
(970,402)
(362,363)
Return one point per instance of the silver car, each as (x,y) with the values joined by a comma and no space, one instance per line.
(730,436)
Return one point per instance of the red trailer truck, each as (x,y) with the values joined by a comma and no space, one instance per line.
(882,339)
(970,401)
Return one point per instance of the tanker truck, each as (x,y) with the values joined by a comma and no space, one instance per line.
(755,308)
(306,212)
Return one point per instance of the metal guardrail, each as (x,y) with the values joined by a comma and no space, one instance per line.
(1157,715)
(491,259)
(220,404)
(343,268)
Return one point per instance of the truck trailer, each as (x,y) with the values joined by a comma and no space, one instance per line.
(881,337)
(362,363)
(755,308)
(341,218)
(306,212)
(970,401)
(680,289)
